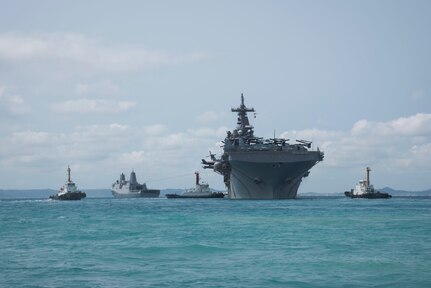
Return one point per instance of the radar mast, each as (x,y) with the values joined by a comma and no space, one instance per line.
(68,174)
(243,123)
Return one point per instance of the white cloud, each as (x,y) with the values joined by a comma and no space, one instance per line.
(88,53)
(398,146)
(95,131)
(207,117)
(417,95)
(85,105)
(311,134)
(169,142)
(415,125)
(133,159)
(97,88)
(12,103)
(31,137)
(219,133)
(157,129)
(107,149)
(398,143)
(26,150)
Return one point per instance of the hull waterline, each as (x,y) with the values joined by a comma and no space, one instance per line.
(266,180)
(151,193)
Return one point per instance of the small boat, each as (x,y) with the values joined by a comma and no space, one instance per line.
(201,190)
(365,190)
(132,189)
(69,191)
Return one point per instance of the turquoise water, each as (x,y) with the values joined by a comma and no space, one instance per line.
(309,242)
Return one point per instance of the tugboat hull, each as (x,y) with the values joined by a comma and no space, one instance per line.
(69,196)
(212,195)
(374,195)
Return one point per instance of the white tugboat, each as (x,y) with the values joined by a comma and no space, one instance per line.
(201,190)
(132,189)
(364,189)
(69,191)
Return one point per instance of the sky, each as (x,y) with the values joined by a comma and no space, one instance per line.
(114,86)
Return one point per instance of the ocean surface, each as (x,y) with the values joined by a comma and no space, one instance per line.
(307,242)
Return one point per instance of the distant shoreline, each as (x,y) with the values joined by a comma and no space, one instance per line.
(45,193)
(28,194)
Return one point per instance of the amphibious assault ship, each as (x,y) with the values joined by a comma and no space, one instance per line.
(132,189)
(257,168)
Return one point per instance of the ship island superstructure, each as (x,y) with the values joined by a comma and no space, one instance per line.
(257,168)
(132,189)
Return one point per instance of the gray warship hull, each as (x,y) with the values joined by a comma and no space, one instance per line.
(196,196)
(269,174)
(150,193)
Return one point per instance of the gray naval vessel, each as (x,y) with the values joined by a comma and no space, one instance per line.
(257,168)
(132,189)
